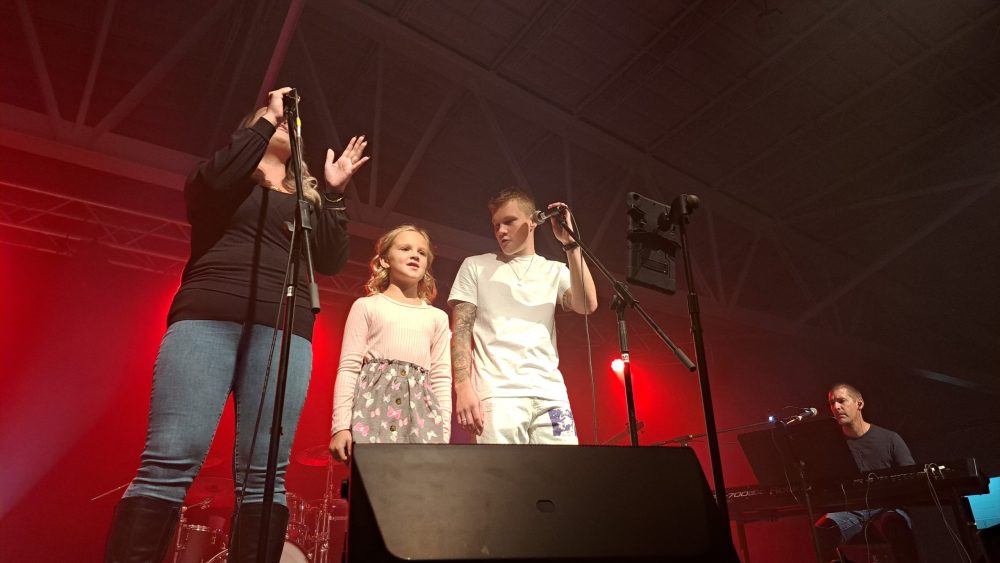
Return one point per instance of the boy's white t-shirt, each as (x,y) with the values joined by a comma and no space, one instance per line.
(515,330)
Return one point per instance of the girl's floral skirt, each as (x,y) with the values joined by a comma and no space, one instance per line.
(394,404)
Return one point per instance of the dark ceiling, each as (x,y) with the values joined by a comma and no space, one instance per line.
(847,153)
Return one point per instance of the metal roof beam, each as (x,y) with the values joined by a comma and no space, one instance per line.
(38,61)
(416,157)
(288,28)
(896,251)
(846,104)
(95,62)
(160,70)
(393,34)
(762,66)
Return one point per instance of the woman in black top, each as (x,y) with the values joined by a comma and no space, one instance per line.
(219,330)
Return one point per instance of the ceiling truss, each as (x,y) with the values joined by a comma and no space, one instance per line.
(486,86)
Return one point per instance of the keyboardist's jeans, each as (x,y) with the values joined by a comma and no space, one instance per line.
(838,528)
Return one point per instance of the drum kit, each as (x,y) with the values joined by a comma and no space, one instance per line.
(316,529)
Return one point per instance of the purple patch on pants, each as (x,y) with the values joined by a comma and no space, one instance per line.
(562,422)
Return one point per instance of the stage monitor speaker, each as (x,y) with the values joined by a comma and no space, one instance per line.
(524,504)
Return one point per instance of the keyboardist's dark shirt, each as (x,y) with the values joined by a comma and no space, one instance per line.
(879,449)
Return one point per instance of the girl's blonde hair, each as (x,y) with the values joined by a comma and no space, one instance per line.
(379,280)
(309,182)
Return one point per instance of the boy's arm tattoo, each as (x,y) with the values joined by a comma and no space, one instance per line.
(463,317)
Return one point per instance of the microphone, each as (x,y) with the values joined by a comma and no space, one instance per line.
(290,100)
(806,413)
(682,206)
(539,216)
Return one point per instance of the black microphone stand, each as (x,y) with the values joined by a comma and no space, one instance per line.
(780,427)
(300,242)
(618,304)
(680,209)
(622,299)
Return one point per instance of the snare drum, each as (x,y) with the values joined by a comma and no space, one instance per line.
(197,544)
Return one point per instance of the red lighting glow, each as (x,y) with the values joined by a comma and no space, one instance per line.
(618,366)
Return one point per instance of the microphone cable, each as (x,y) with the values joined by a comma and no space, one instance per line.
(590,347)
(586,330)
(929,470)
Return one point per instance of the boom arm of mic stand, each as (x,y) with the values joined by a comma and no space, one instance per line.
(688,437)
(622,434)
(626,296)
(628,299)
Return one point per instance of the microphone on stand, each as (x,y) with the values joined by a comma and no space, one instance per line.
(682,206)
(539,216)
(806,413)
(290,100)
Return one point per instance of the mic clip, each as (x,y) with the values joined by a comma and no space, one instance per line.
(290,100)
(539,216)
(806,413)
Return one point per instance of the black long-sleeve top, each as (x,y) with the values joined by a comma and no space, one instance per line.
(240,237)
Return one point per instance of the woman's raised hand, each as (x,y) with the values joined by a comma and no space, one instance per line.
(338,171)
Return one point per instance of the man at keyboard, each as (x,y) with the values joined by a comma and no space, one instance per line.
(873,448)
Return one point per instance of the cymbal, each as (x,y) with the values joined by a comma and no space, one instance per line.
(220,489)
(315,456)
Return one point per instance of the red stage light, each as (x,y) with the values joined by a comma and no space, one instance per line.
(618,366)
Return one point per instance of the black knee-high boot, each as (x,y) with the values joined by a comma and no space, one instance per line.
(141,530)
(245,535)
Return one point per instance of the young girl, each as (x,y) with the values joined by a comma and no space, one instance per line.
(394,380)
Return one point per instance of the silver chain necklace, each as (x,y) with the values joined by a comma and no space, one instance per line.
(525,272)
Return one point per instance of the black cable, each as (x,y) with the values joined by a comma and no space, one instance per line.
(963,553)
(868,513)
(590,348)
(784,469)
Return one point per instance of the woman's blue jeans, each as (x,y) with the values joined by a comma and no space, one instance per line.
(199,364)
